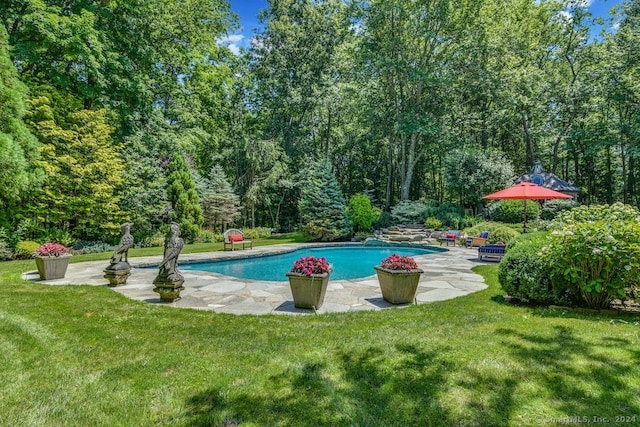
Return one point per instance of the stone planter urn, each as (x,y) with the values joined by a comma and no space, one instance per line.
(308,291)
(52,260)
(398,277)
(308,279)
(52,267)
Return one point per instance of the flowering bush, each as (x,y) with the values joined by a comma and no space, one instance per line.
(309,265)
(52,249)
(595,250)
(397,262)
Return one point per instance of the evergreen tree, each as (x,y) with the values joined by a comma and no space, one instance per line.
(221,204)
(18,147)
(361,213)
(83,172)
(322,206)
(184,198)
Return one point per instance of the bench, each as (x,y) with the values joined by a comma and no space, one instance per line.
(494,252)
(234,237)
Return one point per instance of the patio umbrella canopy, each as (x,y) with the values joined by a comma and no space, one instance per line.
(526,191)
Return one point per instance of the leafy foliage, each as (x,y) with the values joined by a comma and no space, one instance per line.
(552,208)
(322,206)
(18,147)
(595,250)
(512,211)
(497,232)
(83,171)
(472,173)
(183,198)
(361,213)
(524,273)
(221,206)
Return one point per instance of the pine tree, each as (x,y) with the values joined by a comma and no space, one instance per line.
(18,147)
(184,198)
(322,205)
(221,204)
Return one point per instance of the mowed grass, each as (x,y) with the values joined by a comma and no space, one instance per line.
(81,355)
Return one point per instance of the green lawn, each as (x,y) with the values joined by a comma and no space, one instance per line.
(80,355)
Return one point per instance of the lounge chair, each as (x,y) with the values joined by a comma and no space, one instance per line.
(451,237)
(234,237)
(492,252)
(479,240)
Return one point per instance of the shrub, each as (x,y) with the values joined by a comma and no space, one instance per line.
(512,211)
(432,222)
(91,247)
(156,239)
(256,233)
(361,213)
(552,208)
(26,248)
(524,274)
(408,212)
(497,232)
(595,251)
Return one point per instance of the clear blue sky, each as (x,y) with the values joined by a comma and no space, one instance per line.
(248,10)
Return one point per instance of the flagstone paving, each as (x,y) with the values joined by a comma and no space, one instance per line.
(446,275)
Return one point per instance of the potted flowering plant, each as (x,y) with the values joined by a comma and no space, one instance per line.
(398,277)
(52,260)
(308,279)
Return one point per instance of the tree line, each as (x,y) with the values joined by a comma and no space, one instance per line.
(134,110)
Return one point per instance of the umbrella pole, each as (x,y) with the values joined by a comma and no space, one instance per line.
(524,227)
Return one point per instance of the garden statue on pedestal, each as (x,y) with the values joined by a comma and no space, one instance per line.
(119,269)
(169,281)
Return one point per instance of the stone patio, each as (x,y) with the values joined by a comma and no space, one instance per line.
(446,275)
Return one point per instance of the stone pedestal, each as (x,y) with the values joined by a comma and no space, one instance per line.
(117,273)
(169,287)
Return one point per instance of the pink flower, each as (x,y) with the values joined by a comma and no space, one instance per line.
(397,262)
(309,265)
(52,249)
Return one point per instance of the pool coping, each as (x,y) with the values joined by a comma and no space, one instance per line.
(447,275)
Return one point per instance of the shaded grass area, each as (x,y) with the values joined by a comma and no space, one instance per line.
(80,355)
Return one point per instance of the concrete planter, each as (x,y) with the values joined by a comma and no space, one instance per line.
(398,286)
(52,267)
(308,291)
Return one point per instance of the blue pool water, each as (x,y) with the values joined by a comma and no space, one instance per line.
(348,262)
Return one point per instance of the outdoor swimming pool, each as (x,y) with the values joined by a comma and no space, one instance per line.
(348,262)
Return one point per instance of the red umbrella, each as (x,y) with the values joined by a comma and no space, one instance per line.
(526,191)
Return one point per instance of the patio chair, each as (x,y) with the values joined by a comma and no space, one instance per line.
(451,237)
(475,241)
(234,237)
(492,252)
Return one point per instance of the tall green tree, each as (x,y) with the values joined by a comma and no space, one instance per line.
(83,172)
(323,210)
(18,147)
(183,197)
(221,206)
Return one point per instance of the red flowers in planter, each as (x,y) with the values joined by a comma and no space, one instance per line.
(309,265)
(52,249)
(397,262)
